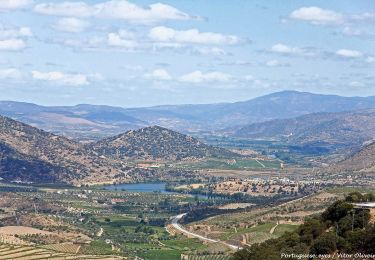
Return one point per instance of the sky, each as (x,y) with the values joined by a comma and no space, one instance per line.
(145,53)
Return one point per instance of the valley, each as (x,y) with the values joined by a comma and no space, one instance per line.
(150,192)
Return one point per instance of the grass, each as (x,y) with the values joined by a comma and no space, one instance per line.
(172,249)
(97,247)
(283,228)
(165,254)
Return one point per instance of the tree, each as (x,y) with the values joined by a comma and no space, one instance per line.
(325,244)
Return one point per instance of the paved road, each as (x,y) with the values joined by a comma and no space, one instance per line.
(177,226)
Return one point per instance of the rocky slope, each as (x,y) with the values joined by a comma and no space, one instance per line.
(156,143)
(30,154)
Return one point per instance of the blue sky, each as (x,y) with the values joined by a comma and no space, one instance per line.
(143,53)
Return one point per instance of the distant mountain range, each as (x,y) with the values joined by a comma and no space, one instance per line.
(342,129)
(33,155)
(88,122)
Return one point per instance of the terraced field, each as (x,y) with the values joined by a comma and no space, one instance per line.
(10,252)
(207,257)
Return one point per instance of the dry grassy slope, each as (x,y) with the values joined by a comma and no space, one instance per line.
(156,143)
(364,160)
(48,157)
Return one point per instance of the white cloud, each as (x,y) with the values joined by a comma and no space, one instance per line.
(71,24)
(6,33)
(276,63)
(356,84)
(249,77)
(12,45)
(115,9)
(10,73)
(284,49)
(159,74)
(169,35)
(370,59)
(13,39)
(122,39)
(62,78)
(346,53)
(200,77)
(316,15)
(14,4)
(210,51)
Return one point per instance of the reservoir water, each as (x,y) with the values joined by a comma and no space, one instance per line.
(139,187)
(144,187)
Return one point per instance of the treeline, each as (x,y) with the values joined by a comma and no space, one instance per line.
(339,229)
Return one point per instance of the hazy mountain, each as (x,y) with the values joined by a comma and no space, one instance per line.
(30,154)
(156,143)
(342,129)
(286,104)
(84,122)
(95,122)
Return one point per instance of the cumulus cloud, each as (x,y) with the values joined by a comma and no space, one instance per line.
(346,53)
(71,24)
(194,36)
(159,74)
(14,4)
(317,15)
(115,9)
(290,50)
(122,39)
(284,49)
(276,63)
(13,39)
(10,73)
(356,84)
(200,77)
(61,78)
(210,51)
(6,33)
(12,45)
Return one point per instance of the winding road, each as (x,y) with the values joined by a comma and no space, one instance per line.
(180,228)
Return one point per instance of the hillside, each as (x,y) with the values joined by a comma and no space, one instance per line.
(93,122)
(361,161)
(343,129)
(30,154)
(156,143)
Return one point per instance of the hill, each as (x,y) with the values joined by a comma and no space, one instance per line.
(92,122)
(361,161)
(30,154)
(339,130)
(156,143)
(342,229)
